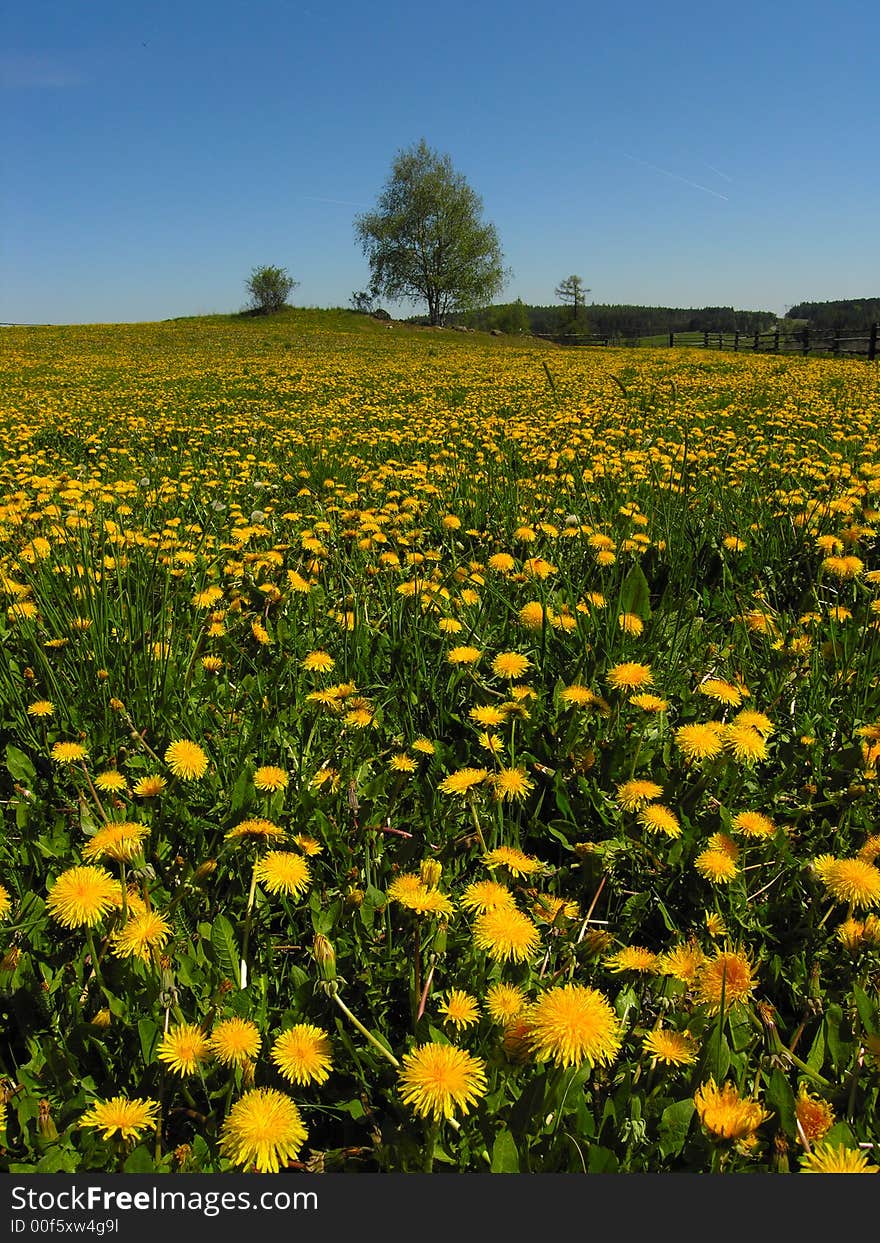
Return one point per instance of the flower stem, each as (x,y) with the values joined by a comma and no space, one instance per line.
(364,1032)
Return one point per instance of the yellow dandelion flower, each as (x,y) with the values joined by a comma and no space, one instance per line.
(749,718)
(122,841)
(753,824)
(579,696)
(727,1115)
(700,741)
(183,1048)
(121,1116)
(5,902)
(632,795)
(831,1159)
(68,752)
(532,615)
(659,819)
(632,958)
(747,745)
(716,866)
(460,1009)
(682,962)
(815,1117)
(673,1048)
(186,760)
(504,933)
(853,881)
(269,778)
(141,936)
(402,763)
(510,665)
(463,781)
(464,655)
(42,707)
(721,691)
(149,787)
(263,1129)
(438,1079)
(572,1024)
(516,862)
(511,784)
(649,703)
(303,1054)
(235,1041)
(505,1002)
(282,872)
(547,908)
(82,896)
(424,746)
(111,782)
(630,623)
(727,974)
(486,895)
(487,715)
(629,676)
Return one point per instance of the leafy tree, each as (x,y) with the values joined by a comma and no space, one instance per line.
(572,292)
(426,239)
(269,288)
(363,301)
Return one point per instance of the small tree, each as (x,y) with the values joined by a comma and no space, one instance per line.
(426,239)
(269,288)
(571,291)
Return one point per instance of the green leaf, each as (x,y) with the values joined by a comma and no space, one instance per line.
(505,1157)
(601,1160)
(780,1098)
(225,947)
(139,1161)
(635,594)
(19,765)
(866,1008)
(716,1055)
(148,1032)
(816,1056)
(675,1123)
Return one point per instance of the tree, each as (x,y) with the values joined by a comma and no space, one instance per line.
(426,239)
(269,288)
(571,291)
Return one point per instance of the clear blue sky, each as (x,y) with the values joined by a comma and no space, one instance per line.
(682,154)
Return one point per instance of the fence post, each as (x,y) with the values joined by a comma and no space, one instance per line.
(806,340)
(706,339)
(736,341)
(671,339)
(776,341)
(836,342)
(872,343)
(755,346)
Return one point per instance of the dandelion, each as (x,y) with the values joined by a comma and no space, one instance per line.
(814,1117)
(111,782)
(532,615)
(186,760)
(282,872)
(438,1079)
(150,786)
(516,862)
(753,824)
(41,708)
(256,829)
(463,655)
(727,1115)
(308,845)
(579,696)
(318,662)
(183,1048)
(487,715)
(463,781)
(727,975)
(831,1159)
(506,934)
(721,691)
(573,1024)
(673,1048)
(505,1002)
(749,718)
(402,763)
(511,784)
(716,866)
(263,1128)
(659,819)
(548,907)
(853,881)
(747,745)
(632,795)
(141,936)
(119,1115)
(632,958)
(460,1009)
(629,676)
(121,841)
(424,746)
(82,896)
(68,752)
(510,665)
(269,778)
(5,902)
(682,962)
(649,703)
(700,742)
(486,895)
(303,1054)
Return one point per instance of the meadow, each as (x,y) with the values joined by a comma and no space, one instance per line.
(428,751)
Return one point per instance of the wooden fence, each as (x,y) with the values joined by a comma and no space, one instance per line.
(804,341)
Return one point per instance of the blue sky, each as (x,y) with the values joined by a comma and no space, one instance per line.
(682,154)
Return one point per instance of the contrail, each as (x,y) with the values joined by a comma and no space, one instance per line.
(316,198)
(718,172)
(675,177)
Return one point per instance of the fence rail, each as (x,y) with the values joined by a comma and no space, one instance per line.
(804,341)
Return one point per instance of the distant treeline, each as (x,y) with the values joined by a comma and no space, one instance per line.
(621,322)
(618,322)
(856,314)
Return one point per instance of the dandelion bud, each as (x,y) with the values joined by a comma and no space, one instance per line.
(516,1041)
(102,1018)
(430,872)
(45,1124)
(204,870)
(325,957)
(354,896)
(10,959)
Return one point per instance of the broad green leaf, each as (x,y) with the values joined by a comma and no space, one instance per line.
(19,765)
(505,1158)
(675,1123)
(225,948)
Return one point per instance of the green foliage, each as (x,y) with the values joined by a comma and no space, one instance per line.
(269,288)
